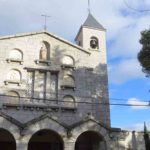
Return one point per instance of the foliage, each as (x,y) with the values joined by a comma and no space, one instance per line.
(144,54)
(146,138)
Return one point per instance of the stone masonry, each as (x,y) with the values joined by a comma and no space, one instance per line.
(57,90)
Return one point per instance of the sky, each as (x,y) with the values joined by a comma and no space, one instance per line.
(127,82)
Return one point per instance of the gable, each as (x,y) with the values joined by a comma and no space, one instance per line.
(45,35)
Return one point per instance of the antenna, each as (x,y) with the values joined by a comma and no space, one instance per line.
(89,7)
(45,21)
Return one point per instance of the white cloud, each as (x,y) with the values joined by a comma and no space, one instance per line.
(137,104)
(137,126)
(124,71)
(123,26)
(138,4)
(126,41)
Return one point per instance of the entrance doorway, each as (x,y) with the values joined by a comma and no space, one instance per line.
(90,140)
(45,140)
(7,141)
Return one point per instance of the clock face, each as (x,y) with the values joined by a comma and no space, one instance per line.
(94,43)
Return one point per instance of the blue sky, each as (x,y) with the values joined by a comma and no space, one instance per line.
(126,80)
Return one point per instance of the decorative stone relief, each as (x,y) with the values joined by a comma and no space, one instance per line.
(68,82)
(68,101)
(67,60)
(43,53)
(12,97)
(15,54)
(14,75)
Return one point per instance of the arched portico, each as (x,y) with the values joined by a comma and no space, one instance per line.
(7,141)
(45,140)
(90,140)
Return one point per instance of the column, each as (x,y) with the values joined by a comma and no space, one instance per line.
(21,145)
(48,94)
(69,144)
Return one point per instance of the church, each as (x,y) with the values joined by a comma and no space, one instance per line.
(54,94)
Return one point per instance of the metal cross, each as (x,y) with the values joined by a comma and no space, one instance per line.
(89,8)
(45,21)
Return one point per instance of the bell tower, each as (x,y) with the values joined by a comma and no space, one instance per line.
(92,37)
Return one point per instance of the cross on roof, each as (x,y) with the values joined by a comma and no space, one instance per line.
(45,21)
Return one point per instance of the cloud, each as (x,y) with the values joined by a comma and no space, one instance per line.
(137,126)
(122,24)
(138,4)
(121,72)
(126,42)
(137,104)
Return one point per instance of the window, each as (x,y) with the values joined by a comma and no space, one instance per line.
(14,75)
(12,97)
(54,85)
(42,85)
(68,82)
(30,84)
(15,55)
(79,43)
(94,43)
(68,60)
(69,101)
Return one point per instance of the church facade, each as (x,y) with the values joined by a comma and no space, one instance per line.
(54,94)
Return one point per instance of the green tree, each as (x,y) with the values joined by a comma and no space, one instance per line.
(144,54)
(146,138)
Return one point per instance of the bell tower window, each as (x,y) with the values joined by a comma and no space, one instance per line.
(94,43)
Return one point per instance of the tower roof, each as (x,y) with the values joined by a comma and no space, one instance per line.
(92,22)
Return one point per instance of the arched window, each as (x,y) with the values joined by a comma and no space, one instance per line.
(12,97)
(68,60)
(94,44)
(68,81)
(44,51)
(13,93)
(16,54)
(69,101)
(14,75)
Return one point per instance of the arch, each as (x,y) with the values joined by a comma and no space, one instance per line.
(69,81)
(13,93)
(16,54)
(90,140)
(45,139)
(7,140)
(68,60)
(14,75)
(44,51)
(94,44)
(69,101)
(12,97)
(92,125)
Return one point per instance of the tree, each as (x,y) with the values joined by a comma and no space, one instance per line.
(146,138)
(144,54)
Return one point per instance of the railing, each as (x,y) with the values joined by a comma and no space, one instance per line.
(81,107)
(32,102)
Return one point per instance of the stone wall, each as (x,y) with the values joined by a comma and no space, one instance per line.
(86,89)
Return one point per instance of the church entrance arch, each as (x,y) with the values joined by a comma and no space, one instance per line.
(45,140)
(90,140)
(7,141)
